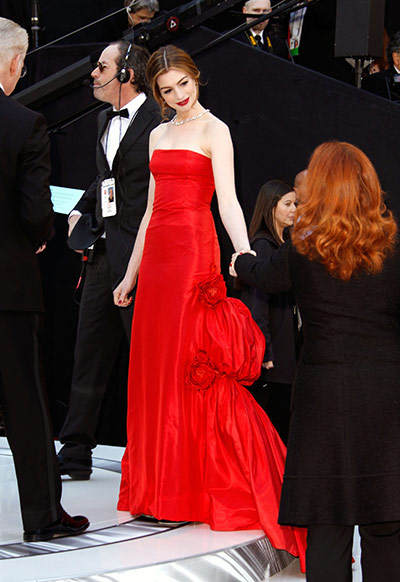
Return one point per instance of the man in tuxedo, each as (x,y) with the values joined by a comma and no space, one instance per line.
(109,213)
(26,219)
(257,35)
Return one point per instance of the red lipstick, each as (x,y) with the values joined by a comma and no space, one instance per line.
(183,103)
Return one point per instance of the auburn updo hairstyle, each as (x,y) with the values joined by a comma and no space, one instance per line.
(161,61)
(342,220)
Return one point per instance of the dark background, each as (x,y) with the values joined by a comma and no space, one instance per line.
(277,112)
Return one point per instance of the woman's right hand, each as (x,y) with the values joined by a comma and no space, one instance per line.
(121,292)
(268,365)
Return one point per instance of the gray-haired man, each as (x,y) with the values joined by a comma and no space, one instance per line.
(26,219)
(141,11)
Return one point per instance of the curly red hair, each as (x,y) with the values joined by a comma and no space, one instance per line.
(342,221)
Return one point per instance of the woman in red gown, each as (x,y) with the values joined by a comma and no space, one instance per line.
(199,447)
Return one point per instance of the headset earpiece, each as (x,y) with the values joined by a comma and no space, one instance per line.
(124,75)
(130,7)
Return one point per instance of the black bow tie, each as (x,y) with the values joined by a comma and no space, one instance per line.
(122,113)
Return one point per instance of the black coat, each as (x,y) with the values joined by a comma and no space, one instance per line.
(274,315)
(131,172)
(26,211)
(343,460)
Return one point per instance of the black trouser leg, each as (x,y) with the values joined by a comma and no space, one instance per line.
(278,407)
(380,552)
(328,555)
(100,330)
(274,399)
(27,419)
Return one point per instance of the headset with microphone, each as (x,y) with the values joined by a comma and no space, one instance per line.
(123,74)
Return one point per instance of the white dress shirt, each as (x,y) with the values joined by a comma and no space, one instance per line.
(118,126)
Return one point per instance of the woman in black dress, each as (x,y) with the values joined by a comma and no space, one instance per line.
(343,460)
(273,214)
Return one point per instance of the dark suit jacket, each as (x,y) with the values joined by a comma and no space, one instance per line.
(131,172)
(279,47)
(26,211)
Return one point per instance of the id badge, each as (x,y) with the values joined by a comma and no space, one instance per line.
(108,199)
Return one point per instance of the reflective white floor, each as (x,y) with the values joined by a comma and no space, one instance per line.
(114,544)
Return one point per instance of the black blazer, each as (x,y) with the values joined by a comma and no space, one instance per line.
(274,314)
(279,47)
(26,211)
(131,172)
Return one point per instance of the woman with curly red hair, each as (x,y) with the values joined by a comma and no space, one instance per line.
(343,461)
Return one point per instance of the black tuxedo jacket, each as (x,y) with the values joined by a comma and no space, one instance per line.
(279,47)
(131,172)
(26,211)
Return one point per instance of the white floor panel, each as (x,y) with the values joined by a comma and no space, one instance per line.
(117,548)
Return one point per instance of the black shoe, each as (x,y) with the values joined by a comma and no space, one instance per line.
(65,526)
(75,468)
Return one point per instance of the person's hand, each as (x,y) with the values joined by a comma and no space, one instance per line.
(232,271)
(41,248)
(121,293)
(268,365)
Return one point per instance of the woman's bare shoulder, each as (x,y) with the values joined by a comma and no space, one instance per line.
(157,134)
(216,128)
(159,131)
(216,131)
(216,124)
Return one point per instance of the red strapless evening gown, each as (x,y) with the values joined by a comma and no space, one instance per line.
(199,447)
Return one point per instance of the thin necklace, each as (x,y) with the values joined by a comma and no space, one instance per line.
(174,122)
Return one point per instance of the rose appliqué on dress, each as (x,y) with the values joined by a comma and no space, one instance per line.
(201,371)
(212,289)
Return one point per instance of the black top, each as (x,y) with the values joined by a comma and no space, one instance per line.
(274,314)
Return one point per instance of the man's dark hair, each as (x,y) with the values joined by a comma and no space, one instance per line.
(137,60)
(394,46)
